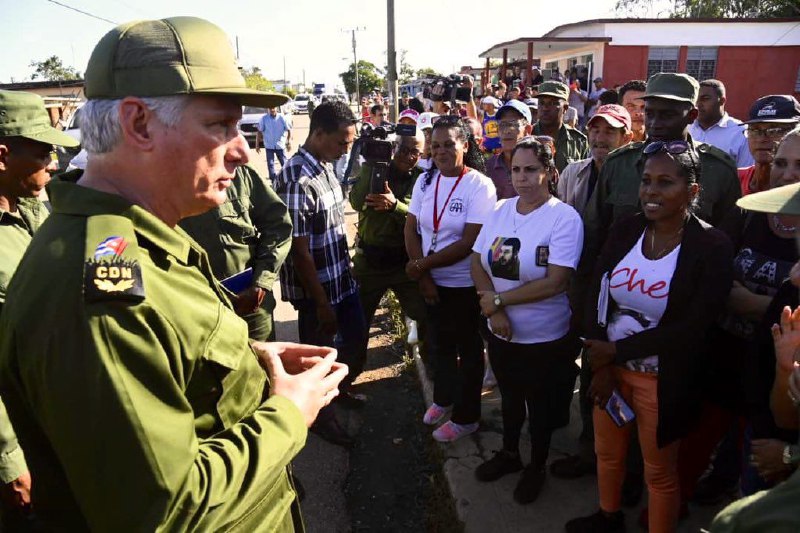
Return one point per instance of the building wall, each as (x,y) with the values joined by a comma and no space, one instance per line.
(747,72)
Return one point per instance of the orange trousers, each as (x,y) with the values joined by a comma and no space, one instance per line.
(660,464)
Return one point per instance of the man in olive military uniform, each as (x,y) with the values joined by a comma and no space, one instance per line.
(26,161)
(138,398)
(380,259)
(252,229)
(571,145)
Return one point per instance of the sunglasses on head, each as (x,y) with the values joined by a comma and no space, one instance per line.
(671,147)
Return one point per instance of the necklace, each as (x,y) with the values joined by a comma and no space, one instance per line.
(525,216)
(666,248)
(781,227)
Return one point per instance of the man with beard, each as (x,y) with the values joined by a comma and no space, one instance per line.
(630,96)
(608,129)
(570,143)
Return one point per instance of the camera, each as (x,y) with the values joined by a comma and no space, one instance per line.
(447,89)
(377,151)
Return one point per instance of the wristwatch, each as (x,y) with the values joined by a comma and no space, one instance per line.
(791,455)
(497,300)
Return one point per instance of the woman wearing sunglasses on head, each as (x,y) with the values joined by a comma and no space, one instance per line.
(449,204)
(522,262)
(660,282)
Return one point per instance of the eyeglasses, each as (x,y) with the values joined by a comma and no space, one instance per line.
(673,148)
(405,150)
(515,125)
(767,132)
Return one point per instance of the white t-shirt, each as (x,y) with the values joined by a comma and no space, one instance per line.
(640,287)
(470,203)
(516,249)
(425,164)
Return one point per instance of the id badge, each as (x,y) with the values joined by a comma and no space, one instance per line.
(619,410)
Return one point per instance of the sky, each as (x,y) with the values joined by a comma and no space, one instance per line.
(311,36)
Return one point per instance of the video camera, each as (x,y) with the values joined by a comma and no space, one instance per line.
(377,151)
(447,89)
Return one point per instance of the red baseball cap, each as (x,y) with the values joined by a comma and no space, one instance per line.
(616,115)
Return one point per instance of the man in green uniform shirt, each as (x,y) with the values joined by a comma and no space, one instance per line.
(380,259)
(252,229)
(571,145)
(26,161)
(138,398)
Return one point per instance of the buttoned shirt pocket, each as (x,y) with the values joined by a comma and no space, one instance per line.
(227,383)
(235,223)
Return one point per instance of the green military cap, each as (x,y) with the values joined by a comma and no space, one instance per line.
(555,89)
(167,57)
(23,115)
(672,86)
(780,200)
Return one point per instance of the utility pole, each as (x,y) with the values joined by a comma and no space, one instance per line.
(391,77)
(237,48)
(284,74)
(355,59)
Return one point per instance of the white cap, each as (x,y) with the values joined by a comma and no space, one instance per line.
(426,120)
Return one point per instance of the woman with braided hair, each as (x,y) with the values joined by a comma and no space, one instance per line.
(448,207)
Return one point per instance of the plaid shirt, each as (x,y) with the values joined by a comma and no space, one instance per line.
(314,198)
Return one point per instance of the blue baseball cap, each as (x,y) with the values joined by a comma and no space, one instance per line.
(517,106)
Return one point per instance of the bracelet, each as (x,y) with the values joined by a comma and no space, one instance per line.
(416,263)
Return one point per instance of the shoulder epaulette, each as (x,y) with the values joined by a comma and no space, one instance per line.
(627,149)
(713,151)
(112,269)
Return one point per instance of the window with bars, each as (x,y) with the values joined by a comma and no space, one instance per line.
(662,59)
(701,62)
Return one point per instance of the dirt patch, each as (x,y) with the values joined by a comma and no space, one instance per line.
(396,481)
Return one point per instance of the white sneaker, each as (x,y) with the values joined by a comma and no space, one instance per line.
(450,431)
(436,414)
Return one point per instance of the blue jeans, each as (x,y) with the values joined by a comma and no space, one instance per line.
(351,333)
(271,155)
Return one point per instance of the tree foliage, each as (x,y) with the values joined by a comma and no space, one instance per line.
(427,72)
(53,69)
(711,8)
(254,79)
(369,77)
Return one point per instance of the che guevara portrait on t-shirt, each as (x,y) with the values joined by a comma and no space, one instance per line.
(504,258)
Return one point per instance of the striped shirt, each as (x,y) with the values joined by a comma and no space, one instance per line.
(312,193)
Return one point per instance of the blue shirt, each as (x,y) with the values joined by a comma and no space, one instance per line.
(274,130)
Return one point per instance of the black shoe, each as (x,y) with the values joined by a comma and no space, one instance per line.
(330,430)
(599,522)
(503,462)
(572,467)
(632,489)
(711,490)
(529,485)
(349,400)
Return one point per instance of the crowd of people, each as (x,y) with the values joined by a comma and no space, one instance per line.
(136,335)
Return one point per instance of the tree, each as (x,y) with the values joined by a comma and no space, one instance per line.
(427,72)
(53,69)
(369,77)
(714,8)
(406,73)
(255,80)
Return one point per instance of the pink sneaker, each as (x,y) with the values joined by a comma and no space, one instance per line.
(450,431)
(436,413)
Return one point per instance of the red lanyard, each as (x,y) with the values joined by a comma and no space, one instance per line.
(438,220)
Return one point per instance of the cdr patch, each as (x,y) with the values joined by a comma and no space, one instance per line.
(107,276)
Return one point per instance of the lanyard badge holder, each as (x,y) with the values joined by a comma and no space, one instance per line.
(438,214)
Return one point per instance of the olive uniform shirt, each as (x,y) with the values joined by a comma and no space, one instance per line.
(252,229)
(16,232)
(131,382)
(571,145)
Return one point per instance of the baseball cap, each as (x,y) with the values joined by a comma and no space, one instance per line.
(22,114)
(517,106)
(778,108)
(167,57)
(426,120)
(491,100)
(555,89)
(532,103)
(616,115)
(409,113)
(672,86)
(780,200)
(597,79)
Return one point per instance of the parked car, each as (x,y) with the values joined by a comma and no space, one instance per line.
(248,125)
(301,103)
(72,128)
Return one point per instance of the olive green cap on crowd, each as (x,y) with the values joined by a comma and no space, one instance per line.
(780,200)
(23,115)
(671,86)
(169,57)
(555,89)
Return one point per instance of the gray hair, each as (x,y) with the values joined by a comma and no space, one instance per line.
(99,120)
(794,132)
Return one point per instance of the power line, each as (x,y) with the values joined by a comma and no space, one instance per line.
(81,12)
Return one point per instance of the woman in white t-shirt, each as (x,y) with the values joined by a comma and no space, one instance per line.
(522,262)
(662,279)
(448,206)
